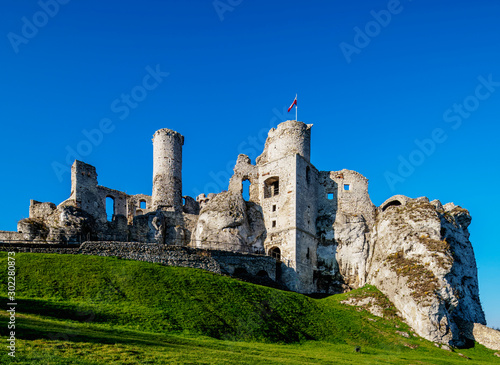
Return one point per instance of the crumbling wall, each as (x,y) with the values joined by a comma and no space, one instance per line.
(134,208)
(203,199)
(397,200)
(84,192)
(352,194)
(119,200)
(345,218)
(64,223)
(191,206)
(40,210)
(244,170)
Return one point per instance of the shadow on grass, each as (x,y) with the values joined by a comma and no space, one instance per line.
(62,310)
(28,328)
(276,328)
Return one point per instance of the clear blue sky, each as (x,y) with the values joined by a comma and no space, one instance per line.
(429,71)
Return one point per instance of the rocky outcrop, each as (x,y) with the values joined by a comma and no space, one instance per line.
(228,221)
(51,223)
(352,236)
(423,261)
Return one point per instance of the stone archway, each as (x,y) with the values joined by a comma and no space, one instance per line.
(275,252)
(392,203)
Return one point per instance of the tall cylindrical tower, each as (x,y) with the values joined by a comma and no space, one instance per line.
(167,170)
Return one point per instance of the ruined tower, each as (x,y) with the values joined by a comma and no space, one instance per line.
(289,203)
(167,170)
(84,190)
(290,137)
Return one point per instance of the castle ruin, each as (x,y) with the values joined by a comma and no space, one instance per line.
(320,226)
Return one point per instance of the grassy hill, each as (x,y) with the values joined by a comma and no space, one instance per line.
(93,310)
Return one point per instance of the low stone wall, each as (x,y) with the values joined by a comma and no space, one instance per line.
(487,336)
(219,262)
(254,265)
(40,248)
(152,252)
(11,236)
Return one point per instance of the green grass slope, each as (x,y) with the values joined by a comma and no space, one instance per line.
(91,310)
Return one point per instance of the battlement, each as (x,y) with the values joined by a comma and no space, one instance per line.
(169,133)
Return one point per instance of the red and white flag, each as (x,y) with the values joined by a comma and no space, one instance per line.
(294,103)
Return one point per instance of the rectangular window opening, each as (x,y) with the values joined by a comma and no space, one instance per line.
(274,208)
(274,224)
(330,196)
(347,187)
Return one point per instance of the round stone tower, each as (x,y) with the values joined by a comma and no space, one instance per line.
(167,170)
(289,137)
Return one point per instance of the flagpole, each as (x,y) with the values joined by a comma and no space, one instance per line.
(296,106)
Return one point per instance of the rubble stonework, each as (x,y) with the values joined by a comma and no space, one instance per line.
(321,228)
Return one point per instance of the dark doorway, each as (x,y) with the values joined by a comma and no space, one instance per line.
(276,253)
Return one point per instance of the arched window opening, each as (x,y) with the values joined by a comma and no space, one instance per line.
(110,208)
(271,187)
(393,203)
(142,204)
(275,252)
(138,212)
(246,189)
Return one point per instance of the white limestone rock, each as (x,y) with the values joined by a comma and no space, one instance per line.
(228,221)
(423,261)
(352,238)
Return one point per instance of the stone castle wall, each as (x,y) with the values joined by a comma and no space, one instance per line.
(219,262)
(11,236)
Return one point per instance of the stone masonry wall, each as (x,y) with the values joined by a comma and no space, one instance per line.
(219,262)
(84,193)
(279,207)
(11,236)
